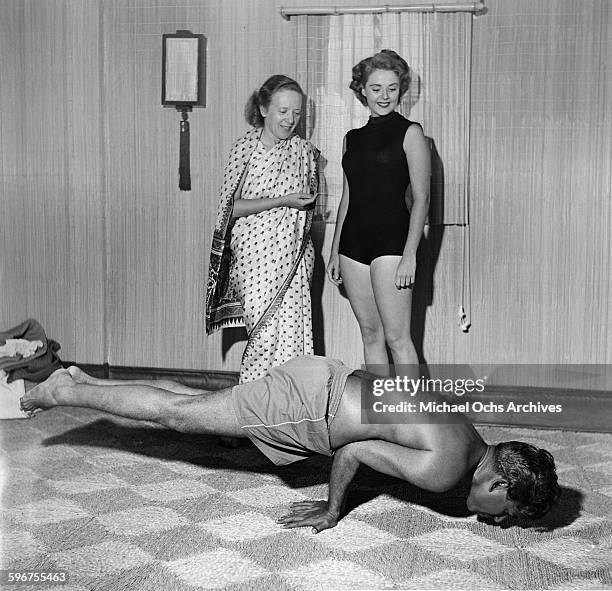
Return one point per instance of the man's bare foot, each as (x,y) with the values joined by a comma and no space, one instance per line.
(79,376)
(43,396)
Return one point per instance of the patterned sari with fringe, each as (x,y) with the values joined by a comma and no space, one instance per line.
(261,265)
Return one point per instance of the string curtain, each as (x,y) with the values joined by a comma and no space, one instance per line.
(437,47)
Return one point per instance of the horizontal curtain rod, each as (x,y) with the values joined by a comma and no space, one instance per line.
(287,13)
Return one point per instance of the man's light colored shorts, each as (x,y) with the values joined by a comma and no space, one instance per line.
(287,413)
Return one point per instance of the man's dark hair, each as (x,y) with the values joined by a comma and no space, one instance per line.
(531,476)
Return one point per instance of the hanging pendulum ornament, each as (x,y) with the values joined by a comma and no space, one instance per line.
(184,87)
(184,165)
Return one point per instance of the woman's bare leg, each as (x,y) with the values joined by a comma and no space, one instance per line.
(210,413)
(358,285)
(395,309)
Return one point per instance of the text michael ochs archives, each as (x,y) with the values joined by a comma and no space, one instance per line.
(411,387)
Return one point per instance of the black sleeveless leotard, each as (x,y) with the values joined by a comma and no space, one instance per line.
(374,162)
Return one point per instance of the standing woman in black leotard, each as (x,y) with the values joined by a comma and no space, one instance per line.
(376,238)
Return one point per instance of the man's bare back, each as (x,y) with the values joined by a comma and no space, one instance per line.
(455,443)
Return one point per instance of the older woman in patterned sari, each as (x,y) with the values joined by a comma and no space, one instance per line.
(262,256)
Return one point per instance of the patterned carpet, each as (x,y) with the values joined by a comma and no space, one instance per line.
(121,505)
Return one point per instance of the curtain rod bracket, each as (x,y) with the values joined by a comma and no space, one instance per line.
(477,8)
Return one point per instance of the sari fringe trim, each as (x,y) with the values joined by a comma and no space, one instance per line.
(221,305)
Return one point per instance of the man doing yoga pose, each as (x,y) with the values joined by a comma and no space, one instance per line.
(313,405)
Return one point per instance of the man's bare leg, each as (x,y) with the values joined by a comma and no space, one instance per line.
(78,375)
(210,413)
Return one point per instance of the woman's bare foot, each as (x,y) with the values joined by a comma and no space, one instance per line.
(43,396)
(79,376)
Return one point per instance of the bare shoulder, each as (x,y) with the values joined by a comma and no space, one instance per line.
(415,136)
(410,432)
(449,434)
(418,153)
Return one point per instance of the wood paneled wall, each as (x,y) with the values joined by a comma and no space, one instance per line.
(158,236)
(541,200)
(98,243)
(51,189)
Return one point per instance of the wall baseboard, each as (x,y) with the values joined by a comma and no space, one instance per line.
(581,410)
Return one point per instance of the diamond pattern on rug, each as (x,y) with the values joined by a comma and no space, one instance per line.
(187,469)
(242,527)
(47,511)
(267,496)
(114,459)
(37,457)
(17,544)
(459,544)
(337,575)
(18,474)
(380,505)
(605,467)
(576,553)
(173,490)
(606,490)
(135,522)
(102,559)
(53,588)
(594,448)
(584,521)
(215,570)
(351,535)
(442,516)
(580,585)
(89,483)
(121,505)
(451,579)
(563,467)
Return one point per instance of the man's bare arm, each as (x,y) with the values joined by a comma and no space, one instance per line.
(425,468)
(421,467)
(322,515)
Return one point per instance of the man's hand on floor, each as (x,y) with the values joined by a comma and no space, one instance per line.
(309,513)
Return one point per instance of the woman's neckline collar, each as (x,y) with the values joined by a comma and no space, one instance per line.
(276,143)
(381,118)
